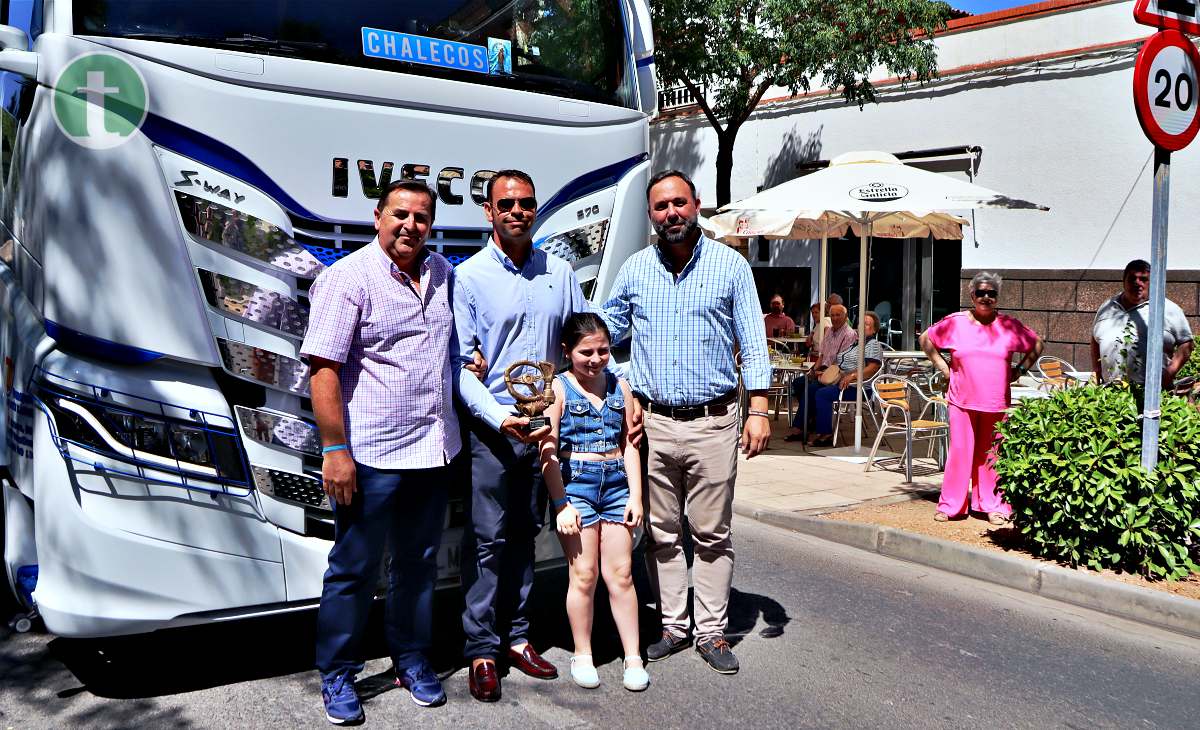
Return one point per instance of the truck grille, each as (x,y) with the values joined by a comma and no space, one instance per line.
(298,488)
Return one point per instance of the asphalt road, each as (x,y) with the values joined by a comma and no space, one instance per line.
(828,637)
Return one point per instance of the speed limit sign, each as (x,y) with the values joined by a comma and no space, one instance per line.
(1166,92)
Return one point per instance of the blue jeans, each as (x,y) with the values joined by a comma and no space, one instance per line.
(405,508)
(504,515)
(824,398)
(598,490)
(799,386)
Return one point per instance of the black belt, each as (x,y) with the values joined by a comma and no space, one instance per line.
(718,406)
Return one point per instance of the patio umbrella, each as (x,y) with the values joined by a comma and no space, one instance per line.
(873,194)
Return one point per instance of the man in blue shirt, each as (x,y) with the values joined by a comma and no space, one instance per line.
(510,301)
(690,303)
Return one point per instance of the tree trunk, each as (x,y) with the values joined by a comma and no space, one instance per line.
(725,142)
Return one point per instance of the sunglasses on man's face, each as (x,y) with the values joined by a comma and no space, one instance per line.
(506,204)
(985,294)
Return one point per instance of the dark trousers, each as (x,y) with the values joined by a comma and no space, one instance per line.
(824,398)
(799,386)
(405,508)
(504,515)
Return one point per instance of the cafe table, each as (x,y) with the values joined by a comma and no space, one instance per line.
(790,342)
(895,361)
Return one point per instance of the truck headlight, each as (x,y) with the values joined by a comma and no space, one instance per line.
(147,440)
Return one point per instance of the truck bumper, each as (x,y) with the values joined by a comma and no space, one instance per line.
(118,557)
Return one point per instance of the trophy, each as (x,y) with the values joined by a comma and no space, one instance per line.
(539,393)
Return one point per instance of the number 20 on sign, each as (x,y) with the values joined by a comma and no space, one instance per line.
(1166,90)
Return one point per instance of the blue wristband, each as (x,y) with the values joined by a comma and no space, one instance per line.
(558,503)
(335,447)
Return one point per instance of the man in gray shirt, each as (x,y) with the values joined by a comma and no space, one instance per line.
(1119,332)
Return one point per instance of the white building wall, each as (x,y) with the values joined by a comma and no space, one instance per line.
(1059,132)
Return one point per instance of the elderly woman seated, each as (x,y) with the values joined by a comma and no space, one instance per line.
(837,339)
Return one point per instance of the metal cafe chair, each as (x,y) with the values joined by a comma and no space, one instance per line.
(779,393)
(895,396)
(936,387)
(1051,373)
(845,405)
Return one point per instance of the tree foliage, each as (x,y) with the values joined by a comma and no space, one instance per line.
(739,49)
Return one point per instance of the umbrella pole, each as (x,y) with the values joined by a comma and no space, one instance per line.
(818,327)
(862,319)
(822,284)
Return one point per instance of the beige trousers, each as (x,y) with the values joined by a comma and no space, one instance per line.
(691,467)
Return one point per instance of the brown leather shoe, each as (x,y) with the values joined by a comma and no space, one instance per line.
(531,663)
(484,681)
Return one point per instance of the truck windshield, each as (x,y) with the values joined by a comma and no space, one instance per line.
(568,48)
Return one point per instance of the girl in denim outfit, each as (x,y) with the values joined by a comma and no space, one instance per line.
(594,478)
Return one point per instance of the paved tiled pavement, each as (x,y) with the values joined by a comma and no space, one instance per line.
(788,478)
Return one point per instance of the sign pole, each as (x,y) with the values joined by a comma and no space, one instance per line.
(1158,291)
(1166,92)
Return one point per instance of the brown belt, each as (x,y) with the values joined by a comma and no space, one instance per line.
(718,406)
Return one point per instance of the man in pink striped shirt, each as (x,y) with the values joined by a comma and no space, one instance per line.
(838,337)
(378,345)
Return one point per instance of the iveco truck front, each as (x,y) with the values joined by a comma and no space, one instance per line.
(174,175)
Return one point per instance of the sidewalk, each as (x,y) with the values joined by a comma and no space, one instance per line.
(787,487)
(785,478)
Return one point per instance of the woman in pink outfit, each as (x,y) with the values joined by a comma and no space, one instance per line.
(981,342)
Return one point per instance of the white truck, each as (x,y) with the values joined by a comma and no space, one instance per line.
(173,175)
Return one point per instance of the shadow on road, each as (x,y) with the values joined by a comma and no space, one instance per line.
(175,661)
(188,659)
(744,612)
(195,658)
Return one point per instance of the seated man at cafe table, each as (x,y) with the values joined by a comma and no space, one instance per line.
(815,331)
(776,321)
(824,396)
(837,339)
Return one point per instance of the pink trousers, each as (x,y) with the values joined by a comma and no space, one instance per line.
(972,434)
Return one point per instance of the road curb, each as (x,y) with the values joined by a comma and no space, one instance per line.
(1050,581)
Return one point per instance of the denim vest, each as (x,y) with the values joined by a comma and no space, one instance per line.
(585,430)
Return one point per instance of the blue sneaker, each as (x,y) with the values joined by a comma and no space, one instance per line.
(341,699)
(422,684)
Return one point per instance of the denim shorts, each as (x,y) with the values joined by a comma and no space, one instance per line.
(598,490)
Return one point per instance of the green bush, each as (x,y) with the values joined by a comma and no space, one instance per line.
(1070,466)
(1191,367)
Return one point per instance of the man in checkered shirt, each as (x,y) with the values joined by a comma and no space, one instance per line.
(378,345)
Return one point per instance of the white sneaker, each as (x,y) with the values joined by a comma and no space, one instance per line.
(636,678)
(583,672)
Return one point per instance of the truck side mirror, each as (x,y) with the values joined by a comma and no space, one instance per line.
(643,53)
(15,55)
(14,38)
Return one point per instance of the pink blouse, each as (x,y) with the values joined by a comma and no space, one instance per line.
(981,358)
